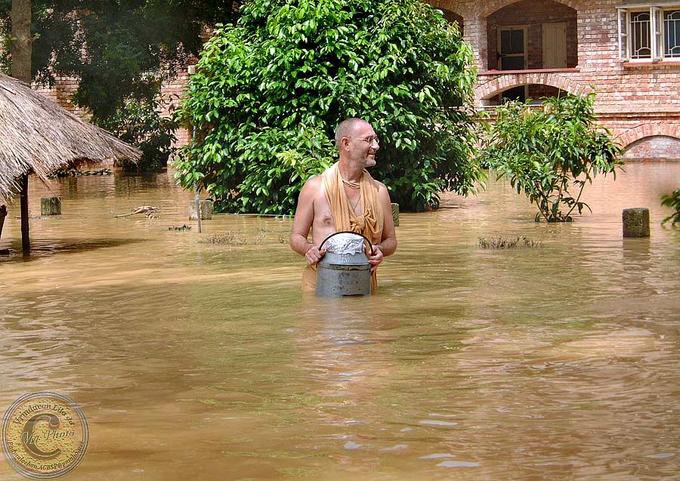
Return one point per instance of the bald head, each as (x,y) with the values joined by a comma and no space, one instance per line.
(346,128)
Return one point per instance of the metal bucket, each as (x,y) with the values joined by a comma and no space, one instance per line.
(344,270)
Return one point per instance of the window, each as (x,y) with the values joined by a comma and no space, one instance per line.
(512,48)
(671,29)
(649,33)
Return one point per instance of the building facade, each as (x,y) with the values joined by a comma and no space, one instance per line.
(627,52)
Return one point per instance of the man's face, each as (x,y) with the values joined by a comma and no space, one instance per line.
(363,144)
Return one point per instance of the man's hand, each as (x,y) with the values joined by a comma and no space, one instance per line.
(314,255)
(375,257)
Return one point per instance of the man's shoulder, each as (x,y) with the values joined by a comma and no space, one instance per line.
(379,185)
(315,179)
(313,187)
(313,182)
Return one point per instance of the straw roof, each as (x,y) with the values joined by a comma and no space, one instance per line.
(37,135)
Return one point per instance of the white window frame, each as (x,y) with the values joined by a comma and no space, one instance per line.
(657,32)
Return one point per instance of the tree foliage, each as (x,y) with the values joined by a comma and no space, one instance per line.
(673,201)
(141,124)
(119,49)
(270,90)
(546,151)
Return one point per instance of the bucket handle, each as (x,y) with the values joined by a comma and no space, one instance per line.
(370,246)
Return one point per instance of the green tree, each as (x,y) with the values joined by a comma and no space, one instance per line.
(121,51)
(673,201)
(546,151)
(142,125)
(270,90)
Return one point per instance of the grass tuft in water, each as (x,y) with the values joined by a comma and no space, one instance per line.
(179,228)
(227,238)
(507,243)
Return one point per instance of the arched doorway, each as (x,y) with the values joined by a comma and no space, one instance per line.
(537,93)
(532,34)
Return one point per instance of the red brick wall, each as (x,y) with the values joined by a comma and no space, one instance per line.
(171,93)
(62,93)
(632,100)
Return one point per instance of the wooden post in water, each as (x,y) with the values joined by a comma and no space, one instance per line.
(50,206)
(395,213)
(23,200)
(191,70)
(205,207)
(197,206)
(635,222)
(3,214)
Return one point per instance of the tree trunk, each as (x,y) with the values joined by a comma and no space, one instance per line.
(21,51)
(22,42)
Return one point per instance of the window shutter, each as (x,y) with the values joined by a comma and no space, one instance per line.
(656,18)
(623,34)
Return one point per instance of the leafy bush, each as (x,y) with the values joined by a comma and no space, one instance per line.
(547,150)
(141,124)
(270,90)
(672,201)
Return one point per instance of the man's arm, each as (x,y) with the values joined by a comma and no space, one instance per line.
(388,244)
(304,217)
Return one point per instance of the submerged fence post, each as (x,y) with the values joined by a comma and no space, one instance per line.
(204,207)
(197,203)
(635,222)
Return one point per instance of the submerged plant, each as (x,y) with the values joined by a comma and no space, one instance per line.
(228,238)
(672,201)
(551,153)
(507,243)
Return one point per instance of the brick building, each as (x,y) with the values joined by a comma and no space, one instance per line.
(171,91)
(627,51)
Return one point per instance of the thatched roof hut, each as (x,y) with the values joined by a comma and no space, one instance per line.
(39,136)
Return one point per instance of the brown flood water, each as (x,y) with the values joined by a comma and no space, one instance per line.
(202,361)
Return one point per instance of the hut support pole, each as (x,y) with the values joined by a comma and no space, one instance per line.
(23,196)
(3,214)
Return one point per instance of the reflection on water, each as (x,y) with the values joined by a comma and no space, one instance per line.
(197,360)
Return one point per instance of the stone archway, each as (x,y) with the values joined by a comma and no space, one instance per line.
(496,5)
(631,136)
(500,83)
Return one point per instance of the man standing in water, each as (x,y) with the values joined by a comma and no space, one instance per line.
(345,198)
